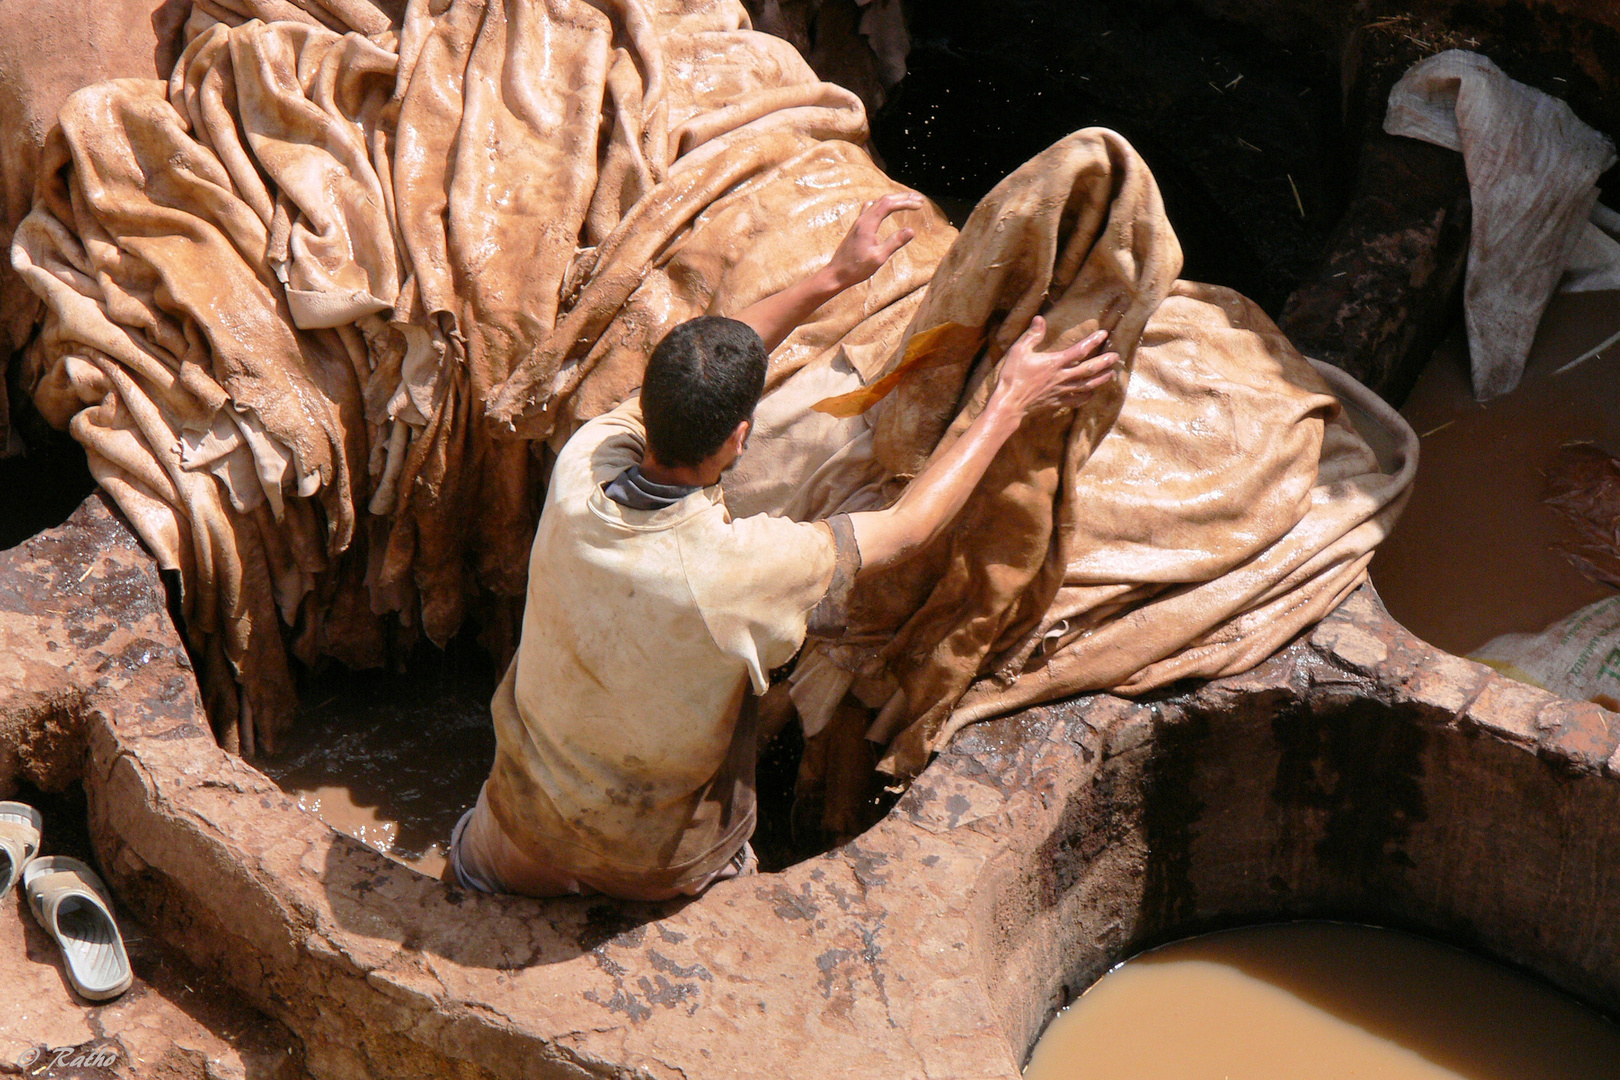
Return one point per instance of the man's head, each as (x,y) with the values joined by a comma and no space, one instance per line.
(702,384)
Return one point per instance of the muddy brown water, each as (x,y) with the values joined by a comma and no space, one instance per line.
(1472,555)
(391,760)
(1322,1001)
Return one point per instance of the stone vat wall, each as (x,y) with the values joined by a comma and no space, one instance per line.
(1358,774)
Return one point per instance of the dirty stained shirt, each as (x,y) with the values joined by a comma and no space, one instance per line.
(619,756)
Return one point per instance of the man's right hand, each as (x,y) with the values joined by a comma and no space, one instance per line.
(1031,380)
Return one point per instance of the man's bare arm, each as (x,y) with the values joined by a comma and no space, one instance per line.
(858,257)
(1028,381)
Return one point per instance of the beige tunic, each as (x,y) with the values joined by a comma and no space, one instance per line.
(618,759)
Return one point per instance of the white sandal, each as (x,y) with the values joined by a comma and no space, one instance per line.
(20,825)
(74,907)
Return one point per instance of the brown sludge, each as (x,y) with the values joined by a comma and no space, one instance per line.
(306,299)
(1477,551)
(390,761)
(1322,1001)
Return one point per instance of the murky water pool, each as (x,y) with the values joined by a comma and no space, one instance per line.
(1472,556)
(390,760)
(1322,1001)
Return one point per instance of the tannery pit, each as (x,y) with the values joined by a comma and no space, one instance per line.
(237,710)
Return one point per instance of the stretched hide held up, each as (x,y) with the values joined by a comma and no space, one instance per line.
(316,306)
(1186,523)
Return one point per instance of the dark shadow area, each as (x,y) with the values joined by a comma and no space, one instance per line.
(1457,1011)
(168,21)
(44,484)
(66,828)
(1242,135)
(775,777)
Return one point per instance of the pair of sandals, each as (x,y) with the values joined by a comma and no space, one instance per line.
(69,901)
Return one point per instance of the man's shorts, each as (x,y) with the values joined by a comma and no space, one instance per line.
(482,858)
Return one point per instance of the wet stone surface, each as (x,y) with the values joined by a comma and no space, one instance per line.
(1358,774)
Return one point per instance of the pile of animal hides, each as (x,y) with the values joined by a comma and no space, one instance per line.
(320,304)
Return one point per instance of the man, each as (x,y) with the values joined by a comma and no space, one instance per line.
(624,727)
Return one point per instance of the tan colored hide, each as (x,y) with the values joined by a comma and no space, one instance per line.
(316,304)
(47,51)
(1185,523)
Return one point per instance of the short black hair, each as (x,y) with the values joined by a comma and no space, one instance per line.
(703,380)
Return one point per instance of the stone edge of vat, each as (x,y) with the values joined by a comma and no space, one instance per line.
(923,948)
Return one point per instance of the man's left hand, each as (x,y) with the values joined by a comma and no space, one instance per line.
(863,251)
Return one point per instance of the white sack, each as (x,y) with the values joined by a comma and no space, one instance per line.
(1577,657)
(1532,169)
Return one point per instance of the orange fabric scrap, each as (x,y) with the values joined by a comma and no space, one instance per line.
(948,343)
